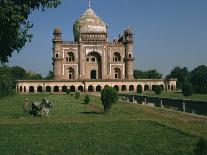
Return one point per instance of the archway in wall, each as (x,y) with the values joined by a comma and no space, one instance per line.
(116,87)
(48,89)
(93,74)
(123,88)
(105,86)
(20,88)
(98,88)
(117,73)
(172,88)
(71,73)
(39,89)
(80,88)
(153,87)
(146,88)
(56,89)
(24,88)
(31,89)
(93,62)
(139,88)
(90,88)
(64,88)
(162,86)
(131,88)
(72,88)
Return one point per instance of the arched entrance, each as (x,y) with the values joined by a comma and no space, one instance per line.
(123,88)
(80,88)
(93,74)
(39,89)
(31,89)
(116,87)
(98,88)
(90,88)
(117,73)
(93,65)
(48,89)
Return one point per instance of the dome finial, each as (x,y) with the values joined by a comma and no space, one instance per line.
(89,4)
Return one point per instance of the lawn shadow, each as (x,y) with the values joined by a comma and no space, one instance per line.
(92,113)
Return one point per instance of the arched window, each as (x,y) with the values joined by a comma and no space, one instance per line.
(98,88)
(70,57)
(56,54)
(56,89)
(123,88)
(72,88)
(117,56)
(80,88)
(117,73)
(39,89)
(90,88)
(71,73)
(20,88)
(31,89)
(48,89)
(116,87)
(64,88)
(146,88)
(93,74)
(131,88)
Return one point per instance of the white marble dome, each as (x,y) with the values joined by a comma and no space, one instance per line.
(89,22)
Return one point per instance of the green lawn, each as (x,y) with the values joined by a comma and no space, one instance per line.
(75,128)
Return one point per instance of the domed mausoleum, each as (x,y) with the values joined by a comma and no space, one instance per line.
(91,62)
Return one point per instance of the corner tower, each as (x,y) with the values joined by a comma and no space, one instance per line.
(129,60)
(57,59)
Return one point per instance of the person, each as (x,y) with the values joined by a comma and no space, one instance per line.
(26,106)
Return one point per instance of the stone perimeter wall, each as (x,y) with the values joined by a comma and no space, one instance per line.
(52,86)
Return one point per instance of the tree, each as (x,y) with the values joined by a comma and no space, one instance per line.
(201,147)
(187,89)
(86,99)
(150,74)
(138,74)
(14,23)
(17,73)
(34,76)
(181,74)
(50,75)
(157,89)
(153,74)
(109,96)
(5,81)
(199,79)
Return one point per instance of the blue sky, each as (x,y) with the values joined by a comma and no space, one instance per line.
(167,32)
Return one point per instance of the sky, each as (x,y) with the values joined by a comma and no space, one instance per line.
(167,33)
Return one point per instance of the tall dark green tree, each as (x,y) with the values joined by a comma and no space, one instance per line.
(14,23)
(138,74)
(5,81)
(17,73)
(50,75)
(182,75)
(109,96)
(199,79)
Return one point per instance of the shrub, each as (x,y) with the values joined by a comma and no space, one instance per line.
(157,89)
(139,89)
(187,89)
(86,99)
(201,147)
(77,95)
(67,91)
(109,96)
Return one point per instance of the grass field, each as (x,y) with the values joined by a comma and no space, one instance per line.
(75,128)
